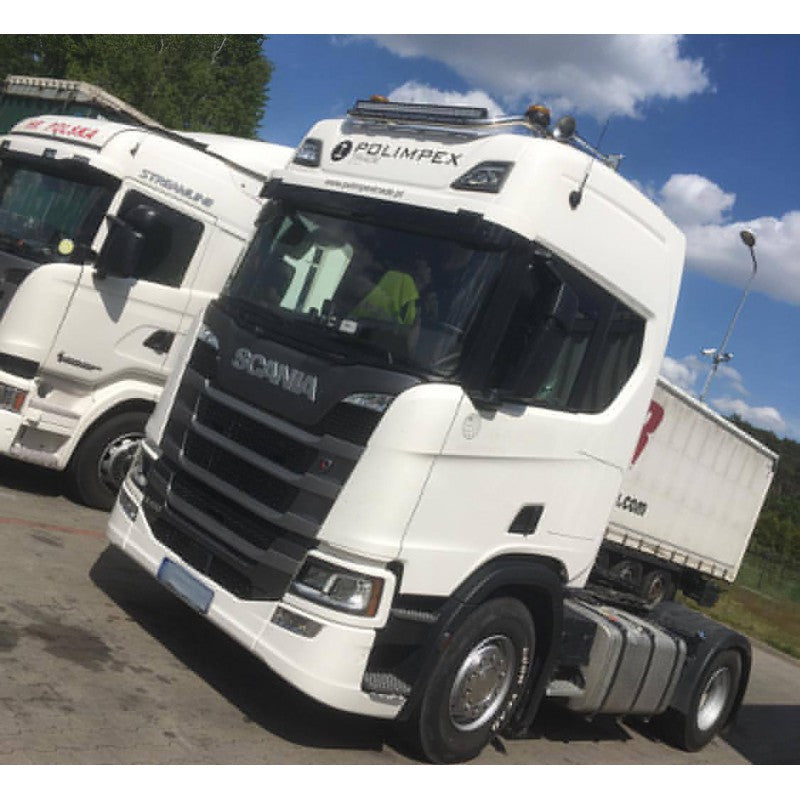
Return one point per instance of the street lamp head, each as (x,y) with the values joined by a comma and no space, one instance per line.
(748,237)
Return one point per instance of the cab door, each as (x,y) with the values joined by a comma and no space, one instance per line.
(123,327)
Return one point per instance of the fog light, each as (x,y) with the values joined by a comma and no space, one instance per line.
(296,623)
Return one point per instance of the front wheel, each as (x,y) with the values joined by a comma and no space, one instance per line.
(101,460)
(477,682)
(710,706)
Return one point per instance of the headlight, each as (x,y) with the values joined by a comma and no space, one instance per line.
(11,398)
(339,588)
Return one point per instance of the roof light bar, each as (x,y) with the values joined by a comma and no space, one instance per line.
(418,112)
(470,120)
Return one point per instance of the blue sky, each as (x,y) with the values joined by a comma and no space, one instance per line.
(709,128)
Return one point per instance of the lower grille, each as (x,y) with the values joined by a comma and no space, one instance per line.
(194,554)
(239,493)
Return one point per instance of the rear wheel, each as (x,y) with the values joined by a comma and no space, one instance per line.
(101,460)
(656,587)
(477,682)
(627,572)
(710,705)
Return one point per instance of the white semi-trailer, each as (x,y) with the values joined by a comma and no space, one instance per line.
(688,503)
(387,462)
(87,327)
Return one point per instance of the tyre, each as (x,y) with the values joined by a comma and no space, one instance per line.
(477,683)
(710,705)
(656,587)
(101,460)
(627,572)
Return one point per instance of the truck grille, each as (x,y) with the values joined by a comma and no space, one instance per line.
(239,493)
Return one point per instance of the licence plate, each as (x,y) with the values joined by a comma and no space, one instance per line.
(186,586)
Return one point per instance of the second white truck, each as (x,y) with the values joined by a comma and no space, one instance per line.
(86,344)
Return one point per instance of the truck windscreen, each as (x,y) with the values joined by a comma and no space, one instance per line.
(39,208)
(407,298)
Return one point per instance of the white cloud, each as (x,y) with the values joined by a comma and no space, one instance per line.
(694,200)
(591,74)
(413,92)
(682,373)
(690,373)
(703,210)
(760,416)
(687,372)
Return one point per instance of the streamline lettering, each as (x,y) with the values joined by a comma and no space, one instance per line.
(281,375)
(170,185)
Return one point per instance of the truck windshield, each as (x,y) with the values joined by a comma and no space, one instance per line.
(405,298)
(38,209)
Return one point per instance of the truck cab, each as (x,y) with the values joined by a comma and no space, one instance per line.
(391,450)
(85,344)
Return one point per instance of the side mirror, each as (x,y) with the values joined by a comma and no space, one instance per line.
(123,250)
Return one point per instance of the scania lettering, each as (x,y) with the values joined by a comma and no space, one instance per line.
(91,315)
(415,544)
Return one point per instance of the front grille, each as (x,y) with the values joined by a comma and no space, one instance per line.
(240,493)
(261,487)
(247,525)
(267,443)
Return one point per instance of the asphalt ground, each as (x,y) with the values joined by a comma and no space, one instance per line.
(101,665)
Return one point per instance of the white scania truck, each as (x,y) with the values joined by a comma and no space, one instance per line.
(387,462)
(85,342)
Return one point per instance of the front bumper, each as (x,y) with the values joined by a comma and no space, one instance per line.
(328,667)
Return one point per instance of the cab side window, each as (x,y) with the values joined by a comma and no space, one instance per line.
(170,247)
(569,343)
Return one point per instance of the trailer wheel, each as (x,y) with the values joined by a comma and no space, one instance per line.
(656,587)
(710,704)
(101,460)
(477,682)
(627,572)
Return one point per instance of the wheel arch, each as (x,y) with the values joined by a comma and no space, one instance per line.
(123,406)
(704,638)
(536,581)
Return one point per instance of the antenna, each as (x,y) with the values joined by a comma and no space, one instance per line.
(576,195)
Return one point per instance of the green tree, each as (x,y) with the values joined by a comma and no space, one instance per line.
(778,529)
(203,82)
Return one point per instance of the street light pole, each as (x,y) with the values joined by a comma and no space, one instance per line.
(719,355)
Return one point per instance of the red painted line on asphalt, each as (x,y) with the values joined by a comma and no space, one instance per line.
(46,526)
